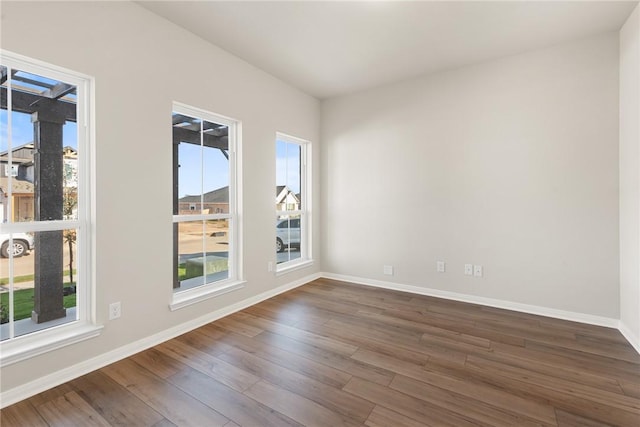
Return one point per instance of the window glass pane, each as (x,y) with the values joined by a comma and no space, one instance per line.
(187,161)
(56,278)
(288,181)
(202,181)
(189,178)
(21,128)
(44,186)
(216,266)
(288,238)
(216,168)
(203,252)
(70,185)
(190,254)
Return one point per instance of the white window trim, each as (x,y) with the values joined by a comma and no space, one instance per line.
(23,347)
(235,281)
(306,242)
(44,341)
(294,265)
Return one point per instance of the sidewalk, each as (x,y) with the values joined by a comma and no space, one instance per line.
(25,285)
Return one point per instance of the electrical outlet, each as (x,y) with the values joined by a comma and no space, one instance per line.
(477,270)
(388,270)
(440,266)
(115,310)
(468,269)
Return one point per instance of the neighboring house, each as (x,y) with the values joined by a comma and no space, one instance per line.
(286,199)
(21,171)
(216,201)
(21,199)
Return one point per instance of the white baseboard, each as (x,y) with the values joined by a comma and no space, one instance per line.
(14,395)
(633,339)
(490,302)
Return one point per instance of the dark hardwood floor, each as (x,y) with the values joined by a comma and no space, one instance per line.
(331,353)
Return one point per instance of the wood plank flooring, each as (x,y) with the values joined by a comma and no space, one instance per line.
(336,354)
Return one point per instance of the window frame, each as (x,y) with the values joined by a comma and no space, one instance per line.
(186,297)
(305,212)
(18,348)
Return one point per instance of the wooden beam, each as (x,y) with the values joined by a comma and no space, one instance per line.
(193,137)
(32,82)
(181,118)
(59,90)
(24,102)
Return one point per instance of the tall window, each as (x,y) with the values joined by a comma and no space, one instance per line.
(292,202)
(45,206)
(205,193)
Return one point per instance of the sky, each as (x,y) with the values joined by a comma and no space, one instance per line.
(216,168)
(288,165)
(194,160)
(22,131)
(21,127)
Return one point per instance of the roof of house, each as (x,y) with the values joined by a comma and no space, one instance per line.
(17,148)
(282,191)
(18,186)
(221,195)
(67,152)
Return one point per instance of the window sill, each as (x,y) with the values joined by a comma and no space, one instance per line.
(288,267)
(201,293)
(28,346)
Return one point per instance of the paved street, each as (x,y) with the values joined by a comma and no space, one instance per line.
(190,245)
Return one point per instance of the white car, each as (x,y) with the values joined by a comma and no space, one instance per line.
(287,234)
(22,244)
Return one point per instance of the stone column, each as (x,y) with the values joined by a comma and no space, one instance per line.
(48,187)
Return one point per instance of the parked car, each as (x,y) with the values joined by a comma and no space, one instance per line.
(287,234)
(22,244)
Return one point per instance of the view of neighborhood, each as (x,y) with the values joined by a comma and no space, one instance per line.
(39,182)
(289,218)
(22,173)
(211,237)
(18,205)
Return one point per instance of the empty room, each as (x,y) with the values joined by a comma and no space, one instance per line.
(320,213)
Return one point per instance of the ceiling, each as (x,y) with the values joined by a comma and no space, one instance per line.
(328,48)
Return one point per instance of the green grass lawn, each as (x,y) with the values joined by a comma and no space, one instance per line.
(23,302)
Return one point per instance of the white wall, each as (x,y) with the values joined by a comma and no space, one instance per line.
(630,178)
(141,64)
(511,164)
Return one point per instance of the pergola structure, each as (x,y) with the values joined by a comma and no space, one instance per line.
(51,104)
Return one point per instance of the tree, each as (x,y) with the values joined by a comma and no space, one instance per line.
(69,205)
